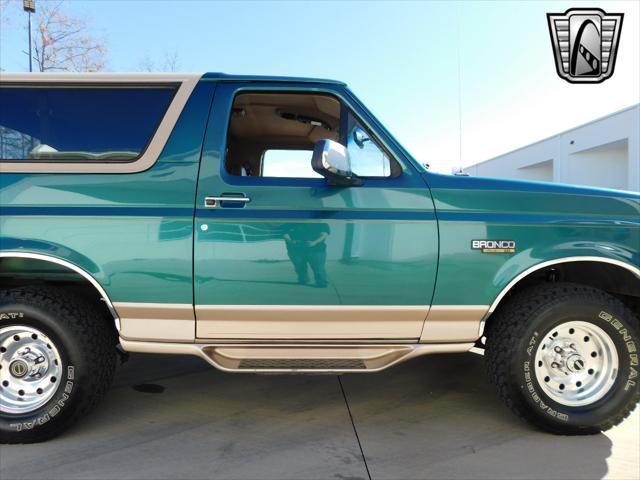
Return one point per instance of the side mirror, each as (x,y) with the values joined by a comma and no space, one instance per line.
(360,137)
(331,160)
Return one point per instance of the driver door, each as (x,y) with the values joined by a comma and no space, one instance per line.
(280,254)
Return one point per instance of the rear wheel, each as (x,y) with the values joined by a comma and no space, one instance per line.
(57,360)
(565,358)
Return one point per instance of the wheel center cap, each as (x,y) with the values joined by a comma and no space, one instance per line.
(18,368)
(575,363)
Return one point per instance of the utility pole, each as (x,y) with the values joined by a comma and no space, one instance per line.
(29,6)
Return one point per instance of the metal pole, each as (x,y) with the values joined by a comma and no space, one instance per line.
(30,56)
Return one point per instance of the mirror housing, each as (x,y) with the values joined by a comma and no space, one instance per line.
(331,160)
(360,137)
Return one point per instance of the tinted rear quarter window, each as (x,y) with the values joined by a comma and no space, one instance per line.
(83,124)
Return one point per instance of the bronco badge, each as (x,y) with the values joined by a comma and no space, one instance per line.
(494,246)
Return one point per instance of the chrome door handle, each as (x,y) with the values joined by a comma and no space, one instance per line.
(214,202)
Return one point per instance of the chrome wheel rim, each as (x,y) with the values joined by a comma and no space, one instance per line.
(30,369)
(576,363)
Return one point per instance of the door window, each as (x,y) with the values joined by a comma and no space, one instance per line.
(273,135)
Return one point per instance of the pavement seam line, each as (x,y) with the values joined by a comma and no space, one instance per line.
(353,424)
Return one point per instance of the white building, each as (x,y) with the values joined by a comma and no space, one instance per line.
(601,153)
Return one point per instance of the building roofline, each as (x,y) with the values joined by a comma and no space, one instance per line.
(622,110)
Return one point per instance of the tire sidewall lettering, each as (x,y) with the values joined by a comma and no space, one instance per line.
(529,385)
(530,388)
(631,348)
(11,315)
(563,413)
(65,390)
(79,329)
(54,407)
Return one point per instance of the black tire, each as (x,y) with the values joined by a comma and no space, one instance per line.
(525,320)
(86,344)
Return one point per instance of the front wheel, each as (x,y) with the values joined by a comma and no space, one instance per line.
(57,359)
(565,358)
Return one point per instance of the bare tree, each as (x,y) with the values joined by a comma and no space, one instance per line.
(62,43)
(4,16)
(169,63)
(146,64)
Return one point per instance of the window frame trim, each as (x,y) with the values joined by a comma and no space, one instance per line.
(185,84)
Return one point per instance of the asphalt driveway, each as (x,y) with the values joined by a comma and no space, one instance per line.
(434,417)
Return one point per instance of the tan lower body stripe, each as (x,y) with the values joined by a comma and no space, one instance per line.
(453,323)
(177,322)
(172,322)
(310,321)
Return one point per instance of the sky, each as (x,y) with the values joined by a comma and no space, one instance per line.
(456,82)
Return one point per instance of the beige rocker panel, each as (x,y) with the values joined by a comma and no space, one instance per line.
(309,322)
(454,323)
(187,83)
(177,323)
(288,358)
(156,321)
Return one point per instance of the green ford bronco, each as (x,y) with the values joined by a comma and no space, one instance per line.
(273,225)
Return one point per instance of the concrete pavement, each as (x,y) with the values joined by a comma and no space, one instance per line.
(433,417)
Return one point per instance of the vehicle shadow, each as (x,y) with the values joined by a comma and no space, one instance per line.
(433,417)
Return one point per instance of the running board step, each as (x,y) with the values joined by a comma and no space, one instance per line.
(308,358)
(302,364)
(298,358)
